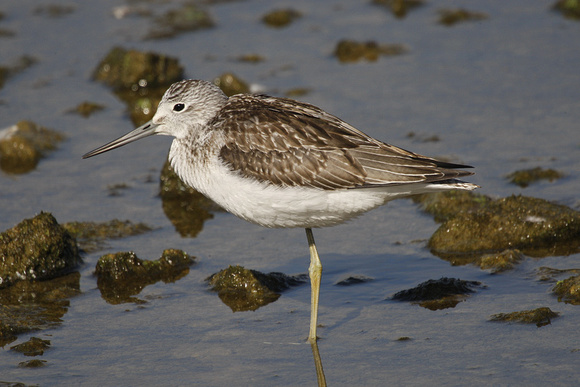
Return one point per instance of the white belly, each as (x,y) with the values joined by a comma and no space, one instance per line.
(273,206)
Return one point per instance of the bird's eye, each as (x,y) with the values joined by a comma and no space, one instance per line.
(178,107)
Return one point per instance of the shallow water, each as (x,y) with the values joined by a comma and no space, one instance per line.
(502,94)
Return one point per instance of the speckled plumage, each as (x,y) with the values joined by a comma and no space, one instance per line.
(283,163)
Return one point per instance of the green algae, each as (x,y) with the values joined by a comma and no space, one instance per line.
(540,316)
(244,289)
(568,290)
(438,294)
(400,8)
(280,18)
(537,227)
(20,65)
(138,78)
(526,177)
(91,236)
(36,249)
(86,109)
(33,347)
(24,144)
(189,17)
(450,17)
(568,8)
(121,276)
(231,84)
(35,363)
(350,51)
(54,10)
(251,58)
(445,205)
(500,262)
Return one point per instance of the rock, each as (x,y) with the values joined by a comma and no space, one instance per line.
(121,276)
(36,249)
(243,289)
(24,144)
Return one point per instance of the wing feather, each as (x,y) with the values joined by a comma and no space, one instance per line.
(290,143)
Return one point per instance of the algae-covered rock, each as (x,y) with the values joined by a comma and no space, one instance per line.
(349,51)
(24,144)
(540,316)
(537,227)
(251,58)
(139,79)
(400,8)
(133,70)
(438,294)
(449,17)
(568,290)
(568,8)
(500,262)
(446,205)
(231,84)
(121,276)
(526,177)
(35,363)
(243,289)
(186,208)
(91,236)
(34,305)
(189,17)
(281,17)
(36,249)
(22,63)
(33,347)
(353,280)
(54,10)
(86,109)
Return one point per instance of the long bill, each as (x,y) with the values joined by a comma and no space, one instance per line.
(145,130)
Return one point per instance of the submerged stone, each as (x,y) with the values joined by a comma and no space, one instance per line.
(186,208)
(36,249)
(138,78)
(400,8)
(568,8)
(86,109)
(537,227)
(526,177)
(446,205)
(349,51)
(231,84)
(438,294)
(568,290)
(121,276)
(133,70)
(33,347)
(189,17)
(91,236)
(500,262)
(24,144)
(539,316)
(449,17)
(21,64)
(35,363)
(243,289)
(281,17)
(35,305)
(354,280)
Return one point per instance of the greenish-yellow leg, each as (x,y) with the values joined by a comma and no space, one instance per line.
(315,272)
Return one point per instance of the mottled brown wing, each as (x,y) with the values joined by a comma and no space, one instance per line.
(289,143)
